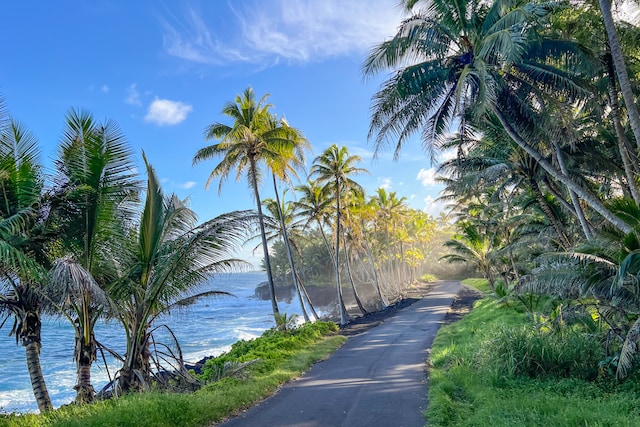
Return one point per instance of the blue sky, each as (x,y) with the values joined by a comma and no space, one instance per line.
(163,70)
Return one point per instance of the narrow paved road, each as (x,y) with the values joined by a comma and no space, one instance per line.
(376,379)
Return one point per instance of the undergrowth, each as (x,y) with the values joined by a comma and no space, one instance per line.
(495,367)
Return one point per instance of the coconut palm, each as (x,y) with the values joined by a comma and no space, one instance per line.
(94,198)
(251,141)
(620,68)
(292,157)
(169,257)
(280,222)
(603,273)
(474,247)
(23,261)
(463,59)
(334,168)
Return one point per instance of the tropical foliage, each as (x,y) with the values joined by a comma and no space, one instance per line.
(536,101)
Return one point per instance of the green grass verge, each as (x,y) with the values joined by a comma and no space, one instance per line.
(468,388)
(480,284)
(211,404)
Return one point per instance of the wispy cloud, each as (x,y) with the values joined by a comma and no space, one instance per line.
(187,185)
(433,207)
(427,177)
(384,183)
(164,112)
(268,31)
(133,96)
(104,88)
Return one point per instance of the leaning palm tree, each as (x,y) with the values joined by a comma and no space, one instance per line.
(251,141)
(169,256)
(334,168)
(95,195)
(462,59)
(22,247)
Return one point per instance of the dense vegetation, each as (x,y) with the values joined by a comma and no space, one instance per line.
(496,368)
(537,99)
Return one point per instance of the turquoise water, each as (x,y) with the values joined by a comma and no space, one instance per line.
(206,328)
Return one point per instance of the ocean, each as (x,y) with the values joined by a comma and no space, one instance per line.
(206,328)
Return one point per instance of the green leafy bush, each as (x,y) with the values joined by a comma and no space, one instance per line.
(273,346)
(428,278)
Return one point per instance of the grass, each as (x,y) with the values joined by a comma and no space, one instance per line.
(480,284)
(214,402)
(468,386)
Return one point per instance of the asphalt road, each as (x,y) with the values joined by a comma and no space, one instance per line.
(377,379)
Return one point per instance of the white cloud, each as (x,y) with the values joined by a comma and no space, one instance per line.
(133,97)
(433,207)
(165,112)
(384,183)
(427,176)
(104,88)
(187,185)
(447,155)
(298,31)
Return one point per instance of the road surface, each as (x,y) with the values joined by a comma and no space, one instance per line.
(376,379)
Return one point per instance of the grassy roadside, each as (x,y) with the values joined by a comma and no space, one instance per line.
(214,402)
(471,384)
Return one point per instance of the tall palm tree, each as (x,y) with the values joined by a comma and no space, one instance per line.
(170,256)
(292,157)
(620,68)
(315,205)
(459,57)
(474,247)
(23,261)
(95,197)
(280,221)
(334,168)
(251,141)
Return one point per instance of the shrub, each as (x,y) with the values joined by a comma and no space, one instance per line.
(428,278)
(273,346)
(534,352)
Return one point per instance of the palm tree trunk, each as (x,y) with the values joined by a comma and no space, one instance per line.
(287,246)
(621,69)
(85,355)
(344,316)
(383,301)
(38,385)
(595,203)
(572,194)
(351,281)
(306,295)
(620,134)
(30,339)
(265,246)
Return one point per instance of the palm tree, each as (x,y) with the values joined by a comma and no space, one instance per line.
(462,59)
(292,157)
(474,247)
(22,247)
(93,201)
(620,68)
(250,141)
(333,168)
(390,211)
(170,256)
(281,220)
